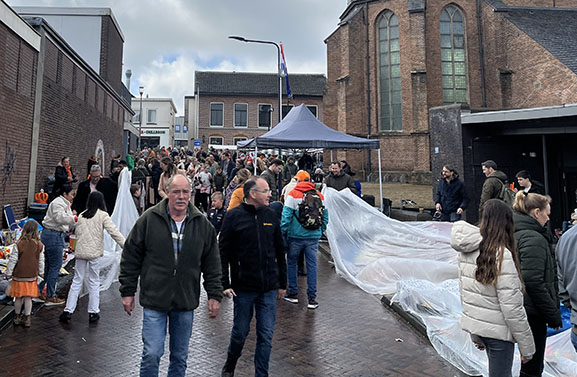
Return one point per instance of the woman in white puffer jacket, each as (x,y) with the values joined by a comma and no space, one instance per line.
(491,287)
(89,247)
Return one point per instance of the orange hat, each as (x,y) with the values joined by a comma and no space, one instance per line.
(303,176)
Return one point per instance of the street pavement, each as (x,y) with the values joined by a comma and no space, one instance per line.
(350,334)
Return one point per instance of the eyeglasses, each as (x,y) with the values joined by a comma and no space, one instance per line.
(262,191)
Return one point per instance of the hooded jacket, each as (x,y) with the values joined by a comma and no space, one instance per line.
(539,269)
(169,283)
(492,311)
(567,263)
(492,187)
(290,225)
(90,234)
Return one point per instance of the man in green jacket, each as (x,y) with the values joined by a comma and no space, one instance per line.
(168,248)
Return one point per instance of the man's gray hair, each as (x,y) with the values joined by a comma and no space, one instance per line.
(172,179)
(95,167)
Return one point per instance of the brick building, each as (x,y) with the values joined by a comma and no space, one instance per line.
(53,104)
(233,106)
(389,62)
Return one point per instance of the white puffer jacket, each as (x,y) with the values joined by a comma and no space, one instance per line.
(497,311)
(90,235)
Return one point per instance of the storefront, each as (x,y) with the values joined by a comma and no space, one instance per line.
(156,138)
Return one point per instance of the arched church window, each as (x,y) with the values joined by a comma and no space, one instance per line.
(453,56)
(389,73)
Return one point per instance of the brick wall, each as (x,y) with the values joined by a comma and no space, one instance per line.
(228,132)
(111,50)
(543,3)
(18,65)
(69,125)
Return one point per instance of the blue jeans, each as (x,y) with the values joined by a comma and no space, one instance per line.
(53,249)
(500,354)
(574,339)
(310,248)
(452,217)
(154,334)
(245,304)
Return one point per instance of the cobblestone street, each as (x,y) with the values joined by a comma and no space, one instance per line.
(350,334)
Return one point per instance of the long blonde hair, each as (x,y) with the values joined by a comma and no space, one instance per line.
(30,231)
(525,203)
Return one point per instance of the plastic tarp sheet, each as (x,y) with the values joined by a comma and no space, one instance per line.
(415,260)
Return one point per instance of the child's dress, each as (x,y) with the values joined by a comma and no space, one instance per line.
(26,263)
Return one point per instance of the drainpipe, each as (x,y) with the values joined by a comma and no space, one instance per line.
(481,55)
(368,87)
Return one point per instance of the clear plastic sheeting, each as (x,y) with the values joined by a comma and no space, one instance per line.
(124,217)
(383,256)
(375,252)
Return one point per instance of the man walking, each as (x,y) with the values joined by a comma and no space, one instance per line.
(251,245)
(96,182)
(567,271)
(270,175)
(290,169)
(339,180)
(451,196)
(493,183)
(304,219)
(169,247)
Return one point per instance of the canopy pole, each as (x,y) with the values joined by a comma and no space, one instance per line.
(380,180)
(255,157)
(332,159)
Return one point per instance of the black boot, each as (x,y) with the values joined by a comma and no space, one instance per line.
(228,368)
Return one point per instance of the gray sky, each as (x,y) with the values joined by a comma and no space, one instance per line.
(167,40)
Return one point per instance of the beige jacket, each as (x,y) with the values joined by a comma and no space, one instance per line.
(90,235)
(59,216)
(163,183)
(497,311)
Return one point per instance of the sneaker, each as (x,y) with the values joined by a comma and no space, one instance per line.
(313,304)
(52,301)
(40,298)
(292,298)
(65,317)
(93,317)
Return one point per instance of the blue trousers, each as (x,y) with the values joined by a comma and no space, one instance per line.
(500,354)
(53,250)
(245,305)
(154,325)
(310,248)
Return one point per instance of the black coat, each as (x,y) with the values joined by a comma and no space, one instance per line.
(251,243)
(452,195)
(106,186)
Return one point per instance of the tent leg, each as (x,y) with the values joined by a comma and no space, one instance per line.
(332,159)
(380,180)
(255,157)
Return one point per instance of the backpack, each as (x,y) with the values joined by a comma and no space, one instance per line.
(311,211)
(507,195)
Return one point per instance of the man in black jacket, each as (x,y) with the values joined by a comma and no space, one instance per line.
(452,197)
(96,182)
(168,248)
(251,244)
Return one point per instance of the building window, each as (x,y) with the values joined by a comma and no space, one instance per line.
(216,110)
(136,118)
(177,128)
(286,109)
(215,140)
(184,129)
(264,116)
(151,116)
(313,109)
(390,73)
(237,139)
(240,114)
(453,56)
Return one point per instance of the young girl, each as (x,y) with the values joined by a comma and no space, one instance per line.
(89,247)
(26,263)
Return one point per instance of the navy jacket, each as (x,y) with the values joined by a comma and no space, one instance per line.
(452,195)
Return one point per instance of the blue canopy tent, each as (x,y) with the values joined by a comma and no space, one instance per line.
(301,129)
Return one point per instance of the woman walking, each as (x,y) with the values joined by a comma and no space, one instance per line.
(168,171)
(89,247)
(57,223)
(25,265)
(491,288)
(539,269)
(237,195)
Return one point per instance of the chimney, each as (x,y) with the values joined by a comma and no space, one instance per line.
(128,76)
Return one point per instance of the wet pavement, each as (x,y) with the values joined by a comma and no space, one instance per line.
(350,334)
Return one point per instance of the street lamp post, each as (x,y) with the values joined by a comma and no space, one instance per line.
(141,91)
(279,72)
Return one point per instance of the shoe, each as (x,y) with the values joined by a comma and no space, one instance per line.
(313,304)
(40,298)
(93,317)
(292,298)
(17,319)
(52,301)
(26,321)
(228,368)
(65,317)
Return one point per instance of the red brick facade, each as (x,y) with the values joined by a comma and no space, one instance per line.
(519,73)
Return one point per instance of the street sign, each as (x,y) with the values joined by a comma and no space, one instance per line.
(197,142)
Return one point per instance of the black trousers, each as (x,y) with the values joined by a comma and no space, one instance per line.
(534,368)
